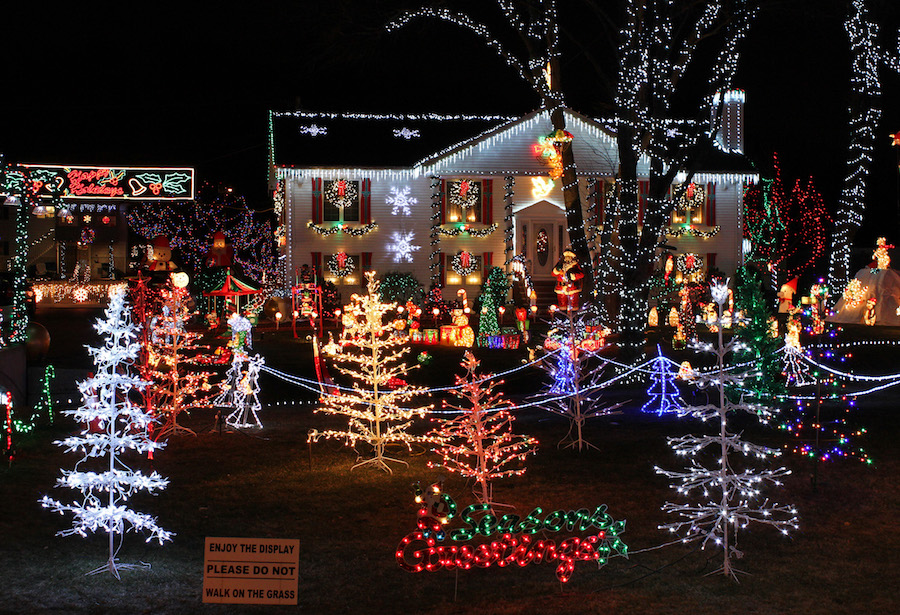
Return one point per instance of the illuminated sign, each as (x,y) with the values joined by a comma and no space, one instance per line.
(93,182)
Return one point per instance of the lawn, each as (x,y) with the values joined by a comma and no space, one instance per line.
(272,484)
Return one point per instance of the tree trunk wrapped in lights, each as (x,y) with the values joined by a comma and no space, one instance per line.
(479,443)
(378,404)
(731,497)
(114,426)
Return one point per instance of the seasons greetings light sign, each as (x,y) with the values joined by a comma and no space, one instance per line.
(89,182)
(488,540)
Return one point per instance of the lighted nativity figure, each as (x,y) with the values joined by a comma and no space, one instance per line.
(245,399)
(872,297)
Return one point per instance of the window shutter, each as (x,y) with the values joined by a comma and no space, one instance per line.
(317,263)
(487,201)
(366,262)
(710,261)
(643,193)
(711,204)
(487,261)
(599,199)
(365,216)
(317,200)
(442,279)
(443,208)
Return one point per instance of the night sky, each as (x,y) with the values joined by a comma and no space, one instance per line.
(174,84)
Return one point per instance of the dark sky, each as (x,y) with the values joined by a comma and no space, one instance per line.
(180,84)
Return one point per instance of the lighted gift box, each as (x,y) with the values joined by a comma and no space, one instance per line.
(430,336)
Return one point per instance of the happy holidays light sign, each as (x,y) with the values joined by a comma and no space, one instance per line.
(432,546)
(97,182)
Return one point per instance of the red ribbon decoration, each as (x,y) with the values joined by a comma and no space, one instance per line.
(463,190)
(464,259)
(341,259)
(342,189)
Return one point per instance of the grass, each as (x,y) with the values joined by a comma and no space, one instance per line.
(271,484)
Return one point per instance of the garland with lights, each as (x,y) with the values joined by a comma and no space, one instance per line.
(343,227)
(341,265)
(465,228)
(114,425)
(717,520)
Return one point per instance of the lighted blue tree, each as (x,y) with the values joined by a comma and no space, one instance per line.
(664,395)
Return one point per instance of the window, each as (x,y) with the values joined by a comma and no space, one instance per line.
(464,201)
(469,269)
(341,201)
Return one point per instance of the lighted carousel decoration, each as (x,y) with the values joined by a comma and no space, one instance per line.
(341,193)
(464,194)
(341,265)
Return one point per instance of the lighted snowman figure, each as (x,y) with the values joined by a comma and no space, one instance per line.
(161,259)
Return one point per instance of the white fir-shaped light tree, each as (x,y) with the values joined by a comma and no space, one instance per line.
(730,500)
(378,405)
(479,443)
(664,395)
(115,426)
(575,377)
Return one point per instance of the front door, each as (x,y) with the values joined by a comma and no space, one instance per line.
(540,228)
(543,248)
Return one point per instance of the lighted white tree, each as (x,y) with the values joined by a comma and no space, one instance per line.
(115,426)
(479,442)
(379,403)
(575,371)
(731,499)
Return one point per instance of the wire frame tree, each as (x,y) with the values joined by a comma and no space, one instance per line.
(730,498)
(575,378)
(479,442)
(377,404)
(114,426)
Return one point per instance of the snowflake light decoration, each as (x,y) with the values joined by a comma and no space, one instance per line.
(313,130)
(402,246)
(341,193)
(406,133)
(401,200)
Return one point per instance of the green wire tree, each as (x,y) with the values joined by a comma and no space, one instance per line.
(766,382)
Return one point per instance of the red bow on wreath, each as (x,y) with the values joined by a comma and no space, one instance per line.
(341,259)
(342,190)
(464,259)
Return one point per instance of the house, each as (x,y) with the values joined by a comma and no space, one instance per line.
(448,197)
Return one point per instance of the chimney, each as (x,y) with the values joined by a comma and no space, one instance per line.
(730,135)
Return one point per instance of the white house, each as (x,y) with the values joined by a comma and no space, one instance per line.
(447,197)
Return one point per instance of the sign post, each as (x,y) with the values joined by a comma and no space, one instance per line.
(250,570)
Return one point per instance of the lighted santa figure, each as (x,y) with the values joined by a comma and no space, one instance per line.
(220,253)
(568,276)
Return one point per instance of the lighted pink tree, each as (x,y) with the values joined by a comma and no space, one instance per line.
(479,443)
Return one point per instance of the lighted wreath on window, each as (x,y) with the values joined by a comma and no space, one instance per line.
(689,262)
(464,194)
(464,263)
(341,265)
(341,193)
(691,203)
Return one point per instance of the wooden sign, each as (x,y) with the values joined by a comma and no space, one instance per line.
(250,570)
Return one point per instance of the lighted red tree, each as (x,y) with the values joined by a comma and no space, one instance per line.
(479,443)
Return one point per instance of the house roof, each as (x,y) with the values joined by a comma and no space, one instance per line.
(450,143)
(307,139)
